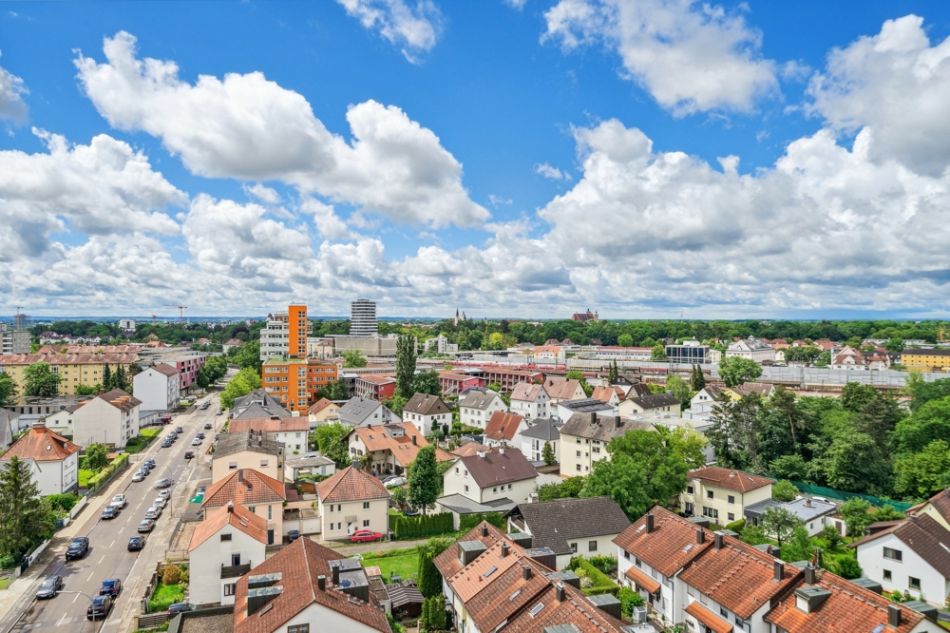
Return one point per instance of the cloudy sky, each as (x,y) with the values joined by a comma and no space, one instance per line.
(645,158)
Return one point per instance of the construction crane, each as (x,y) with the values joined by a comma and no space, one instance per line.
(181,311)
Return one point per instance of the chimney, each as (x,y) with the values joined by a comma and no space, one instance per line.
(893,615)
(504,550)
(230,507)
(717,542)
(322,582)
(809,575)
(807,502)
(526,573)
(617,422)
(484,530)
(593,418)
(700,535)
(501,450)
(413,440)
(778,568)
(241,476)
(336,575)
(559,593)
(649,523)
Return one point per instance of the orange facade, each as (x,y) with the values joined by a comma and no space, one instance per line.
(298,327)
(296,382)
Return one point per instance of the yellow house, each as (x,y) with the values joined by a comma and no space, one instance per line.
(722,494)
(926,360)
(74,369)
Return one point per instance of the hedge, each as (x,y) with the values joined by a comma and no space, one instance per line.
(602,583)
(103,476)
(420,526)
(468,521)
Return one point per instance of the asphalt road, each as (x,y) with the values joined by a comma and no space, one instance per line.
(108,555)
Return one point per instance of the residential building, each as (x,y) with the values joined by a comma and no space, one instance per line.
(563,389)
(701,404)
(291,432)
(814,513)
(306,588)
(261,494)
(375,386)
(298,329)
(440,344)
(493,481)
(247,450)
(323,411)
(926,360)
(74,369)
(608,394)
(502,428)
(53,460)
(275,336)
(470,447)
(352,500)
(363,318)
(14,340)
(426,411)
(62,420)
(369,346)
(309,464)
(584,440)
(692,353)
(126,325)
(571,527)
(507,378)
(365,412)
(224,546)
(258,404)
(158,387)
(540,431)
(530,400)
(566,408)
(296,381)
(723,494)
(476,407)
(453,383)
(751,349)
(389,449)
(657,403)
(230,344)
(187,362)
(110,418)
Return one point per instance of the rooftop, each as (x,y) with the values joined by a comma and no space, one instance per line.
(425,404)
(237,516)
(554,523)
(499,466)
(503,426)
(42,445)
(670,546)
(230,443)
(730,478)
(244,486)
(351,484)
(601,428)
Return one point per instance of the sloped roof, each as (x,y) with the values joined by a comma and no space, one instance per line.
(166,369)
(546,612)
(42,445)
(670,546)
(356,410)
(545,429)
(529,392)
(403,440)
(604,429)
(236,516)
(120,399)
(924,535)
(470,448)
(351,484)
(269,425)
(499,466)
(320,405)
(562,388)
(300,564)
(503,425)
(655,401)
(554,523)
(375,379)
(259,404)
(448,562)
(245,486)
(246,441)
(941,503)
(479,399)
(605,394)
(425,404)
(730,478)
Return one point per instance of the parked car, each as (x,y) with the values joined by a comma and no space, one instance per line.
(136,543)
(200,435)
(152,513)
(49,587)
(208,426)
(138,476)
(78,548)
(119,501)
(179,607)
(99,608)
(146,525)
(110,587)
(293,535)
(394,482)
(365,536)
(178,429)
(165,494)
(189,454)
(109,512)
(167,443)
(159,501)
(151,463)
(196,442)
(164,483)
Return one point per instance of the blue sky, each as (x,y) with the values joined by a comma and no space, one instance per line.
(647,158)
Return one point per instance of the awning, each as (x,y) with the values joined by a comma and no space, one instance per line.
(636,575)
(708,618)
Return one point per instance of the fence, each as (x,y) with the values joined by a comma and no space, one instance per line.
(843,495)
(152,620)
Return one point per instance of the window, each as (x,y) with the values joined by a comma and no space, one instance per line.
(578,467)
(712,513)
(225,537)
(709,494)
(893,554)
(366,523)
(366,505)
(913,583)
(578,453)
(466,485)
(236,559)
(229,589)
(298,628)
(732,517)
(591,546)
(573,548)
(263,463)
(887,574)
(731,499)
(232,465)
(270,512)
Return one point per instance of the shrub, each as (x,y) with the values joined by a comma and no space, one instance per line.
(736,526)
(469,521)
(171,575)
(420,526)
(628,600)
(63,502)
(606,564)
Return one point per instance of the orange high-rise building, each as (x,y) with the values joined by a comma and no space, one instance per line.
(298,329)
(295,382)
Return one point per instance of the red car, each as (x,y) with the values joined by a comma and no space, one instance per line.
(365,536)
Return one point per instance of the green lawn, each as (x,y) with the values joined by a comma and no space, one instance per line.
(405,563)
(165,595)
(142,440)
(84,476)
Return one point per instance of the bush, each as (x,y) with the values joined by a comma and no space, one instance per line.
(420,526)
(628,600)
(96,480)
(736,526)
(468,521)
(606,564)
(63,502)
(599,582)
(171,575)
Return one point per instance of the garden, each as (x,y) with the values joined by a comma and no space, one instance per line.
(596,574)
(141,441)
(172,583)
(403,562)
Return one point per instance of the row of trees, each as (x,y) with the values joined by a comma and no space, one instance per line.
(25,519)
(214,369)
(246,381)
(173,332)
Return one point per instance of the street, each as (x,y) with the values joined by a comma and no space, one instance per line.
(108,556)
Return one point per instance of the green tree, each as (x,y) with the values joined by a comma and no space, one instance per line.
(678,387)
(568,488)
(398,496)
(789,467)
(424,480)
(696,379)
(331,442)
(921,475)
(95,457)
(334,391)
(353,358)
(547,454)
(856,462)
(646,468)
(41,381)
(613,372)
(799,545)
(397,403)
(427,382)
(247,356)
(405,364)
(429,579)
(784,490)
(735,433)
(243,383)
(856,515)
(735,370)
(8,390)
(108,381)
(24,521)
(121,379)
(658,353)
(922,392)
(779,523)
(929,422)
(625,340)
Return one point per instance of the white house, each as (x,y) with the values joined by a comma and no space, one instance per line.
(425,411)
(530,400)
(292,432)
(502,428)
(62,420)
(224,546)
(109,418)
(701,405)
(352,500)
(364,412)
(531,439)
(488,481)
(751,348)
(53,460)
(158,387)
(478,405)
(656,404)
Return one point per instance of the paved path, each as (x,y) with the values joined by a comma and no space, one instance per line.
(351,549)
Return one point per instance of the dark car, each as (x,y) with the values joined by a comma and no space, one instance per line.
(200,435)
(189,454)
(109,512)
(110,587)
(151,462)
(167,444)
(179,607)
(78,548)
(208,426)
(293,535)
(178,429)
(136,543)
(49,587)
(99,608)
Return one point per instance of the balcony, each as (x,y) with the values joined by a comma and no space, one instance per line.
(233,571)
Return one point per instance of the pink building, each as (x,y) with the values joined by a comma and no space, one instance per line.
(188,366)
(453,383)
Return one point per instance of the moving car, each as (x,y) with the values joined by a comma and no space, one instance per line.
(49,587)
(189,454)
(136,543)
(99,608)
(119,501)
(365,536)
(78,547)
(164,482)
(151,463)
(109,512)
(111,587)
(146,525)
(179,607)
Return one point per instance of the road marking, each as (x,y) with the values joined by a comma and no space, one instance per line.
(113,541)
(77,595)
(89,577)
(60,622)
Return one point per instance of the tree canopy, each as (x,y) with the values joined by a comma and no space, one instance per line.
(331,442)
(41,381)
(735,370)
(405,364)
(424,480)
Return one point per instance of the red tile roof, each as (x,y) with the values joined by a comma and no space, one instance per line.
(300,564)
(351,484)
(669,547)
(547,611)
(401,446)
(42,445)
(245,486)
(165,369)
(120,399)
(270,425)
(730,478)
(641,578)
(319,406)
(448,562)
(470,448)
(503,425)
(563,388)
(237,516)
(707,617)
(376,379)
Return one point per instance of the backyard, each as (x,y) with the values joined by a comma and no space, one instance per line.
(170,589)
(142,440)
(404,562)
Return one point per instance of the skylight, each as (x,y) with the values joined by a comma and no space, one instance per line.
(536,609)
(491,570)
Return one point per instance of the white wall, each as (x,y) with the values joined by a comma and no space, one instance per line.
(54,477)
(157,391)
(533,448)
(603,546)
(206,585)
(480,417)
(98,421)
(666,604)
(933,588)
(340,520)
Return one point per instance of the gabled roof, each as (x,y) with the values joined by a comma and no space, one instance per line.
(763,389)
(355,411)
(258,404)
(941,503)
(847,607)
(320,405)
(42,445)
(730,478)
(120,399)
(503,425)
(604,429)
(562,388)
(545,429)
(166,369)
(670,546)
(479,399)
(554,523)
(448,562)
(269,425)
(499,466)
(585,405)
(924,535)
(403,440)
(470,448)
(529,392)
(376,379)
(655,401)
(299,565)
(425,404)
(576,612)
(246,441)
(605,394)
(236,516)
(245,486)
(351,484)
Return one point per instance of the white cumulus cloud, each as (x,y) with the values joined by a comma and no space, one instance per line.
(12,90)
(414,27)
(549,171)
